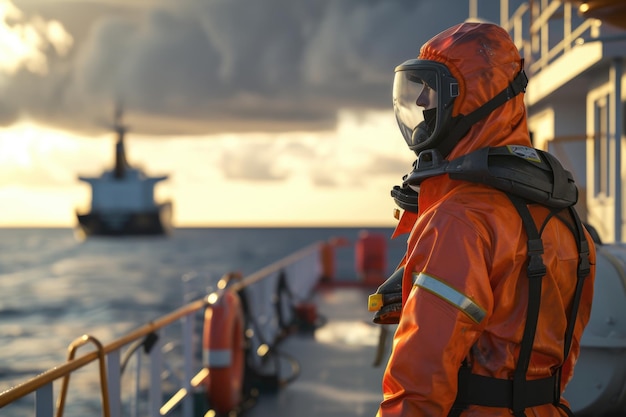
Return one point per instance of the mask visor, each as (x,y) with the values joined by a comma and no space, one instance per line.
(415,100)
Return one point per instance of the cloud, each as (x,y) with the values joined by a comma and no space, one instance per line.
(252,162)
(213,66)
(25,43)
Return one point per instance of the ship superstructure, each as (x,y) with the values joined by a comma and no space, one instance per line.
(122,198)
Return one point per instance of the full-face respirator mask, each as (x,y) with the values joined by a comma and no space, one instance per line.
(423,94)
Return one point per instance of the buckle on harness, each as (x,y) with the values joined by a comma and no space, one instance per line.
(536,267)
(518,85)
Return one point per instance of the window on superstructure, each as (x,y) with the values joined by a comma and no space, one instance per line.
(602,143)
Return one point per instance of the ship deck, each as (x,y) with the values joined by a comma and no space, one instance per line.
(337,375)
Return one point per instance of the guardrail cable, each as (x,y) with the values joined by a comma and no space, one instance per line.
(254,376)
(147,343)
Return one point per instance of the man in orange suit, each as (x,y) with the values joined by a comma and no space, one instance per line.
(496,284)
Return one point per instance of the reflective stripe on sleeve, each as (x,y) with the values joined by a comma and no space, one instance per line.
(452,296)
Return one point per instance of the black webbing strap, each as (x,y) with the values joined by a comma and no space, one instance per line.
(584,268)
(464,123)
(462,400)
(535,271)
(495,392)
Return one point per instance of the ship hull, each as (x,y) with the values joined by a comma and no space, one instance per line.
(126,223)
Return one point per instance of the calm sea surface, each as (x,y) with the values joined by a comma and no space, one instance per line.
(54,288)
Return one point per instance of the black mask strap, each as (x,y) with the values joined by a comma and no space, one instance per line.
(462,124)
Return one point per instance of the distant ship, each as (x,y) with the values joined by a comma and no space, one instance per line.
(122,199)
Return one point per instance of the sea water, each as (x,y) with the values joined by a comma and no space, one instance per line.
(55,287)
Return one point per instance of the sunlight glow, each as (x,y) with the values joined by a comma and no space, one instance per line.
(333,178)
(14,153)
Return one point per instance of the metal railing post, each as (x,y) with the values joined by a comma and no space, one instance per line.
(44,402)
(104,387)
(115,377)
(188,355)
(156,366)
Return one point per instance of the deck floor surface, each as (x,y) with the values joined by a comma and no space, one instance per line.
(337,375)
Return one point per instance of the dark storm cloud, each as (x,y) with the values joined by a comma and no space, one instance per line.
(213,66)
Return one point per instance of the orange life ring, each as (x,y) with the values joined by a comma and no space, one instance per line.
(223,352)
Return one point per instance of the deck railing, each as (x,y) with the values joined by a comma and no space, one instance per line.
(299,272)
(542,30)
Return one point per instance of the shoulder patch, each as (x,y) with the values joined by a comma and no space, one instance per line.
(524,152)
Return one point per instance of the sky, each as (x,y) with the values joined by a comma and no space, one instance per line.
(262,113)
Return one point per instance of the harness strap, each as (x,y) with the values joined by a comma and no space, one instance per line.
(464,123)
(516,394)
(495,392)
(520,393)
(584,269)
(535,271)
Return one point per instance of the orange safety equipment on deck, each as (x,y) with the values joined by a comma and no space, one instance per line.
(371,257)
(223,351)
(306,312)
(327,256)
(465,287)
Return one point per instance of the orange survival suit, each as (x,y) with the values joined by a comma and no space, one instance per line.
(465,286)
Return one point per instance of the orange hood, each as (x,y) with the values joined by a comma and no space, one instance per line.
(484,60)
